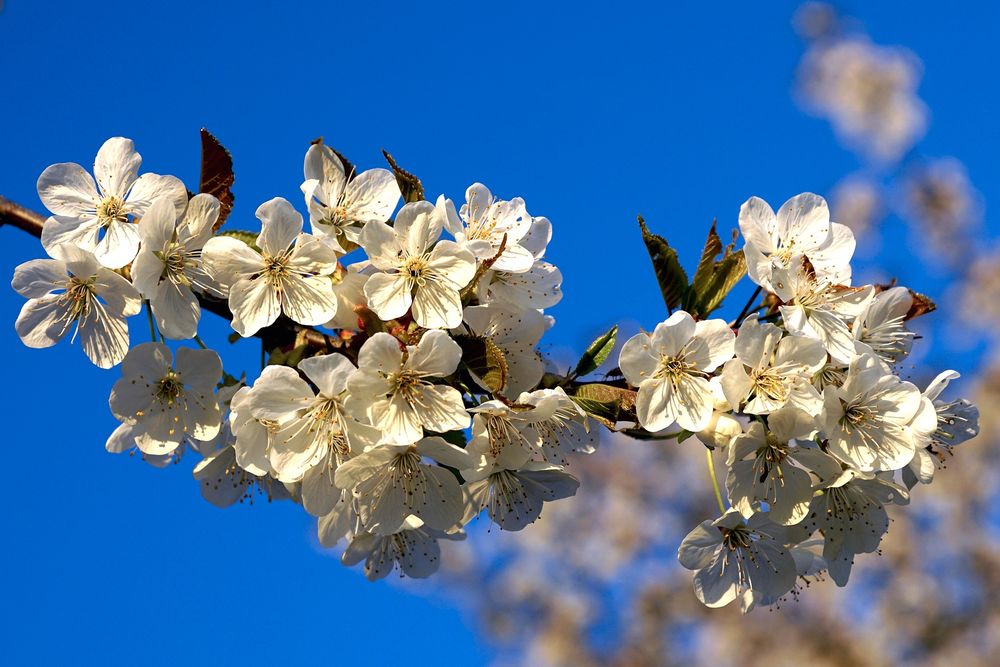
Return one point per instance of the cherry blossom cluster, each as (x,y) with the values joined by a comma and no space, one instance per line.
(405,396)
(804,397)
(394,438)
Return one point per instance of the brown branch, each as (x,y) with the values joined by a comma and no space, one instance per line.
(281,333)
(20,217)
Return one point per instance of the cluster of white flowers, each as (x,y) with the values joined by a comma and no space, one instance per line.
(424,411)
(819,431)
(421,399)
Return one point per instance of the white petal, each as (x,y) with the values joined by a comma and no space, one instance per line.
(329,372)
(151,187)
(200,369)
(308,300)
(176,309)
(254,304)
(388,295)
(67,189)
(38,277)
(119,245)
(280,223)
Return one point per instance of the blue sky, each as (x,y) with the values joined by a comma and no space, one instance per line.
(591,112)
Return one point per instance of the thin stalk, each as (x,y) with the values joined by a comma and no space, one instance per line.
(153,332)
(715,480)
(200,343)
(746,309)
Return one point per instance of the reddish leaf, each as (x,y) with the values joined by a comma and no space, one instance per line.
(217,174)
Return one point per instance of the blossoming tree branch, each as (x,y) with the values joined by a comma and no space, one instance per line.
(403,394)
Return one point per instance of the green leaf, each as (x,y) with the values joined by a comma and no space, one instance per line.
(669,272)
(604,412)
(714,279)
(485,361)
(713,246)
(409,184)
(597,352)
(595,391)
(289,358)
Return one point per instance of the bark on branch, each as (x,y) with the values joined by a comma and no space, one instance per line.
(282,333)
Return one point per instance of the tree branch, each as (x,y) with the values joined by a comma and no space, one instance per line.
(283,332)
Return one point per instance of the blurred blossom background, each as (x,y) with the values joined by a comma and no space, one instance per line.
(680,114)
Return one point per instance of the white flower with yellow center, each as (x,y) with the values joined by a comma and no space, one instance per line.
(168,269)
(392,482)
(817,308)
(770,372)
(100,217)
(738,560)
(73,289)
(416,269)
(414,550)
(513,489)
(671,367)
(953,423)
(485,222)
(312,429)
(341,203)
(393,391)
(881,328)
(869,420)
(801,227)
(850,512)
(290,274)
(165,404)
(768,471)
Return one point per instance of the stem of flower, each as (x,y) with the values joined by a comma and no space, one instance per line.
(153,333)
(746,309)
(200,343)
(715,480)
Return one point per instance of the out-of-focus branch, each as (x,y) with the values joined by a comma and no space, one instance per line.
(281,333)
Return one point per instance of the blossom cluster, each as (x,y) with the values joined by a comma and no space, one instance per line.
(405,396)
(369,435)
(804,397)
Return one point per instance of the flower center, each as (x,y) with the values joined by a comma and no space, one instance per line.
(111,209)
(768,383)
(78,297)
(276,269)
(416,269)
(404,382)
(736,538)
(175,261)
(674,369)
(168,388)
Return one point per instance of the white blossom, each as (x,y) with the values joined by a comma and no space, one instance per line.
(167,404)
(392,482)
(414,550)
(671,368)
(290,274)
(771,371)
(392,390)
(881,327)
(487,222)
(514,491)
(341,203)
(737,560)
(768,470)
(801,227)
(71,289)
(820,309)
(416,269)
(851,514)
(100,216)
(168,269)
(868,420)
(311,428)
